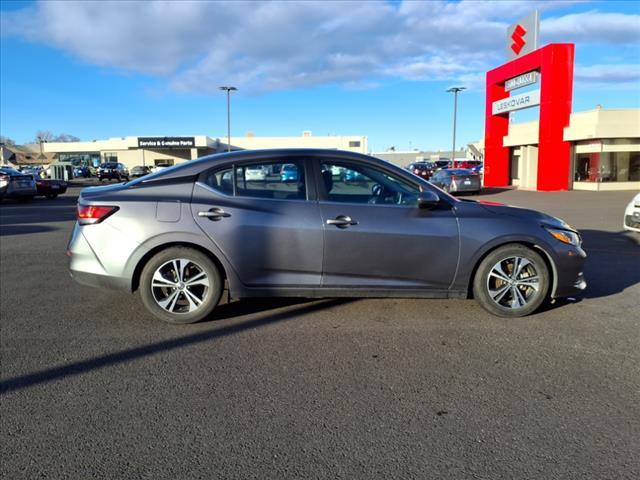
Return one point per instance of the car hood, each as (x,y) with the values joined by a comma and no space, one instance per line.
(523,213)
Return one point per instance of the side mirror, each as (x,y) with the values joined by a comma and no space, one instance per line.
(428,199)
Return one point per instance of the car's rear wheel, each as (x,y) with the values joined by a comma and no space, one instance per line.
(512,281)
(180,285)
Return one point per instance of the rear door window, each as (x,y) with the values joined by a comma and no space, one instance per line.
(273,180)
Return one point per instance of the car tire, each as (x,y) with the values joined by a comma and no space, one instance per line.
(505,293)
(175,304)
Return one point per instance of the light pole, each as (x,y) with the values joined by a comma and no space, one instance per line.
(455,91)
(228,90)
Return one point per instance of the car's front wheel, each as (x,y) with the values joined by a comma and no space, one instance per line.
(180,285)
(512,281)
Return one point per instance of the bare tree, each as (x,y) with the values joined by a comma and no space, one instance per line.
(66,137)
(48,136)
(44,136)
(7,141)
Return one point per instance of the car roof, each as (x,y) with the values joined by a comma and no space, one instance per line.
(194,167)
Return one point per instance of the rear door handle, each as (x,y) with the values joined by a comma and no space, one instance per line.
(214,214)
(342,221)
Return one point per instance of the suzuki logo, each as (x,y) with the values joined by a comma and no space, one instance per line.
(518,41)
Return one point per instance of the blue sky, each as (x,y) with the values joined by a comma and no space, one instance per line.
(107,69)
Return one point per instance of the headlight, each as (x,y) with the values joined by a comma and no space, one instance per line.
(565,236)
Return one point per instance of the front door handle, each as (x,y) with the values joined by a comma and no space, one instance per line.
(214,214)
(342,221)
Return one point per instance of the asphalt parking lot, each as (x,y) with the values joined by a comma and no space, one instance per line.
(93,387)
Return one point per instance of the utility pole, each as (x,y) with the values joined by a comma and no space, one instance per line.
(455,91)
(228,90)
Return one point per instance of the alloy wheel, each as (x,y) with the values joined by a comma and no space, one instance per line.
(180,286)
(513,282)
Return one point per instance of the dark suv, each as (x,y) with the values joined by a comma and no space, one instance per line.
(113,170)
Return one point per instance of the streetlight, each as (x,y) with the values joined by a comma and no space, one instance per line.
(455,91)
(228,90)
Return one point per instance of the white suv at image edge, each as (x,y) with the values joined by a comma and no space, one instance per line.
(631,219)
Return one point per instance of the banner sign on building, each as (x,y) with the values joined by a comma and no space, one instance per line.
(166,142)
(523,80)
(516,102)
(522,37)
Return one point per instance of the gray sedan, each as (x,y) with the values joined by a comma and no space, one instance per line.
(15,184)
(181,235)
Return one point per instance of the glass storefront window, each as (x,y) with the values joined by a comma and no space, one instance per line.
(607,166)
(620,166)
(80,159)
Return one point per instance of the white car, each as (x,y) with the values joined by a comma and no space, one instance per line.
(255,174)
(159,167)
(631,219)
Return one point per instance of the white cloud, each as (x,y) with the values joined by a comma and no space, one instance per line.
(265,46)
(592,27)
(623,75)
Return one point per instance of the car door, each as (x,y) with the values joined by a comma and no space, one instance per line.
(269,230)
(376,236)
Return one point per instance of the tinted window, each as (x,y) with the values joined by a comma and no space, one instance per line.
(221,180)
(357,183)
(277,180)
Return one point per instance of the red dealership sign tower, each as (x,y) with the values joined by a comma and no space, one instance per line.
(554,64)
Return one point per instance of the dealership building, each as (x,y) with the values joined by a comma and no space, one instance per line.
(604,151)
(150,151)
(592,150)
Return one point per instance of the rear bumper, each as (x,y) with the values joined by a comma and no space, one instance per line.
(100,281)
(86,267)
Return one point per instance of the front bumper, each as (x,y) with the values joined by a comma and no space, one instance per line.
(569,265)
(632,221)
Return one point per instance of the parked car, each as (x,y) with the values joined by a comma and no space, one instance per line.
(442,164)
(160,166)
(289,173)
(50,188)
(351,176)
(631,219)
(422,169)
(255,174)
(466,164)
(140,171)
(82,172)
(456,180)
(112,170)
(181,235)
(14,184)
(34,170)
(479,169)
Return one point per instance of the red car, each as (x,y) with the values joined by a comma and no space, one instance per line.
(50,188)
(467,164)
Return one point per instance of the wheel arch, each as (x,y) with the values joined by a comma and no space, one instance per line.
(546,256)
(137,271)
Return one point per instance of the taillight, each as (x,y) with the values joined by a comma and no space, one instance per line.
(92,214)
